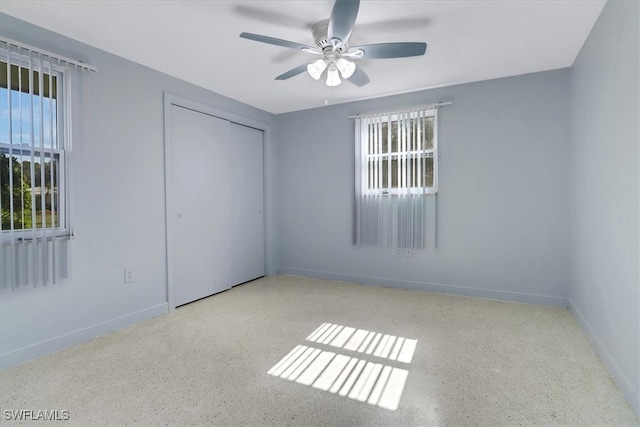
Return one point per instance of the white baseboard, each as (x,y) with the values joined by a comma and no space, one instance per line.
(629,390)
(432,287)
(14,358)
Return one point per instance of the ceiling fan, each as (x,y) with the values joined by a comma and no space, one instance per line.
(332,45)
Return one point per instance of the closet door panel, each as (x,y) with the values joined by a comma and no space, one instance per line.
(201,199)
(247,201)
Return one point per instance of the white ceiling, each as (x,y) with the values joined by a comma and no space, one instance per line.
(198,41)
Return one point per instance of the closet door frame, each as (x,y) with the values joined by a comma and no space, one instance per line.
(172,99)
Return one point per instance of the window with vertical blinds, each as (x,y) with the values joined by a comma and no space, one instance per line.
(32,155)
(34,163)
(396,168)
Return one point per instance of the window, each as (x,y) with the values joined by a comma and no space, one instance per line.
(35,142)
(396,169)
(399,153)
(32,147)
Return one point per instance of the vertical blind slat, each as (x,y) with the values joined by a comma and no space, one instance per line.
(419,137)
(53,140)
(43,219)
(2,255)
(32,143)
(25,249)
(68,187)
(12,252)
(376,194)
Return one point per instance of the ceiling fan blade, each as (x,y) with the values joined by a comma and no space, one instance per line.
(359,77)
(391,50)
(274,41)
(293,72)
(343,18)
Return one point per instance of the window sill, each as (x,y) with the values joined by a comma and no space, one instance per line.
(16,240)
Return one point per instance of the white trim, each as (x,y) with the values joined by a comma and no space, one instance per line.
(630,392)
(518,297)
(171,99)
(168,173)
(8,360)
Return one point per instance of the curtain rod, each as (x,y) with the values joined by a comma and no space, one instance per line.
(424,107)
(51,55)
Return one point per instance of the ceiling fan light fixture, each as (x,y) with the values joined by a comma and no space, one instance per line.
(333,77)
(316,68)
(331,37)
(346,68)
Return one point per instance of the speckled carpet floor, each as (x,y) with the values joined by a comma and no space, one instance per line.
(295,351)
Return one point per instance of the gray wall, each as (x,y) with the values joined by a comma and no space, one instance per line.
(119,205)
(605,188)
(502,210)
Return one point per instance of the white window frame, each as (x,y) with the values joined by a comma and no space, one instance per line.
(403,155)
(61,151)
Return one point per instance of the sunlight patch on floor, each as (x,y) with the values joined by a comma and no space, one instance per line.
(361,341)
(348,376)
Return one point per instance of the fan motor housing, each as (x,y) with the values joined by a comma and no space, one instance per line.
(319,31)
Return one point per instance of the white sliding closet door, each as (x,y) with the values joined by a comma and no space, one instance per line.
(201,197)
(247,202)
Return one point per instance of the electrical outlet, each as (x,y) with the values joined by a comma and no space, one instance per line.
(408,253)
(128,275)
